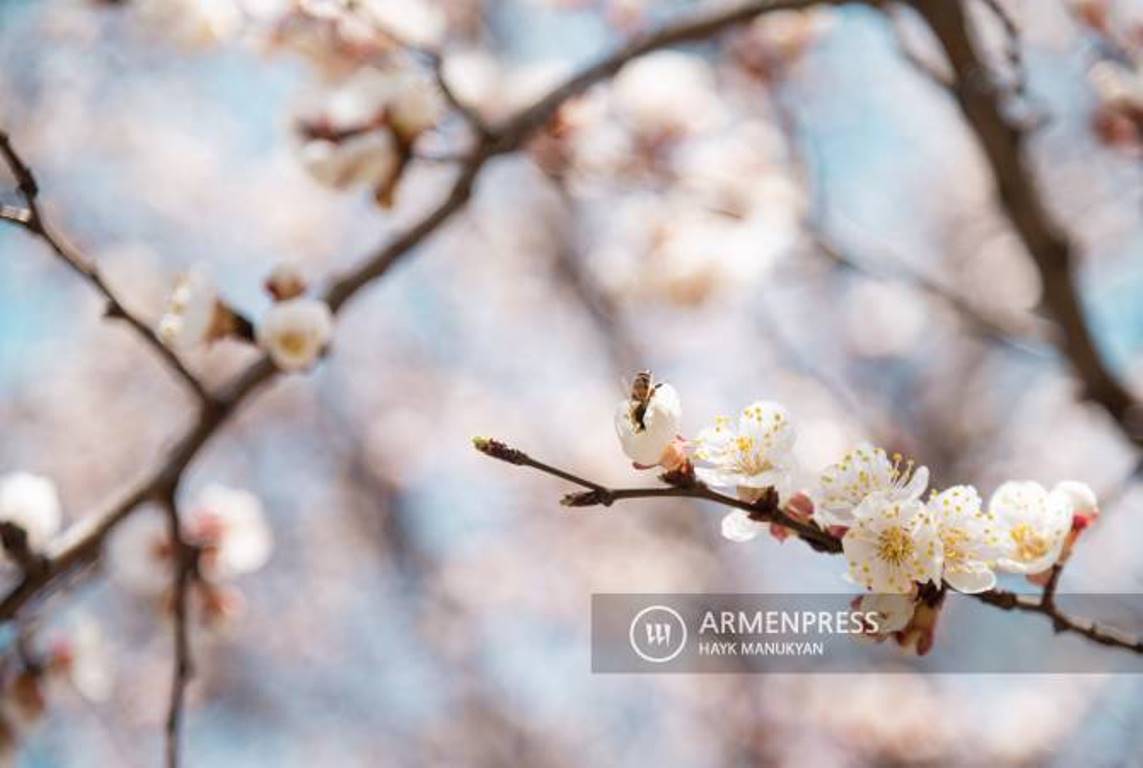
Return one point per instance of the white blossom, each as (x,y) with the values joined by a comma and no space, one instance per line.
(1037,525)
(1080,496)
(229,527)
(864,470)
(193,22)
(417,22)
(370,158)
(737,526)
(971,537)
(892,545)
(1117,85)
(894,611)
(81,656)
(192,317)
(754,454)
(414,103)
(295,332)
(285,281)
(31,502)
(646,432)
(666,93)
(403,96)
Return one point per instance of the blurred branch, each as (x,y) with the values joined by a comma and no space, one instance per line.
(184,559)
(436,61)
(1013,50)
(1003,142)
(597,304)
(767,510)
(32,220)
(81,544)
(986,325)
(998,330)
(927,69)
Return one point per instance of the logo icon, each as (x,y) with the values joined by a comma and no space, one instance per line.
(658,634)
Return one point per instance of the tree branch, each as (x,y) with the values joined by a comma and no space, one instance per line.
(81,544)
(184,561)
(821,541)
(1003,141)
(32,220)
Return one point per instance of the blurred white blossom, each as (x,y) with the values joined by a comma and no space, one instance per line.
(227,524)
(31,502)
(294,333)
(194,315)
(192,22)
(894,611)
(666,94)
(737,526)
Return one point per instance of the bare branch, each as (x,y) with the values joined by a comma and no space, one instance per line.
(820,540)
(1003,142)
(184,561)
(680,485)
(32,220)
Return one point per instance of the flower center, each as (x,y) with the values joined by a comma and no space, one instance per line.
(894,545)
(750,461)
(954,540)
(1029,544)
(293,343)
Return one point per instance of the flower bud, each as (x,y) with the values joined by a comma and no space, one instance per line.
(285,282)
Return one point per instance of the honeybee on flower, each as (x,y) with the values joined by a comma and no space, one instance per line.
(647,423)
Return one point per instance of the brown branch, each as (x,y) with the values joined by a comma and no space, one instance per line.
(81,544)
(822,541)
(987,325)
(1003,141)
(680,485)
(32,219)
(184,562)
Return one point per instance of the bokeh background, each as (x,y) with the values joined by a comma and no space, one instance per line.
(426,606)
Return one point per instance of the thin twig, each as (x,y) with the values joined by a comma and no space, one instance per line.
(32,220)
(681,485)
(818,539)
(184,559)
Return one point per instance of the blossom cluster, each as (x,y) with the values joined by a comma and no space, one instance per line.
(294,332)
(1116,76)
(898,536)
(228,533)
(225,531)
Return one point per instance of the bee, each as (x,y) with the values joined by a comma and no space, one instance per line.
(642,390)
